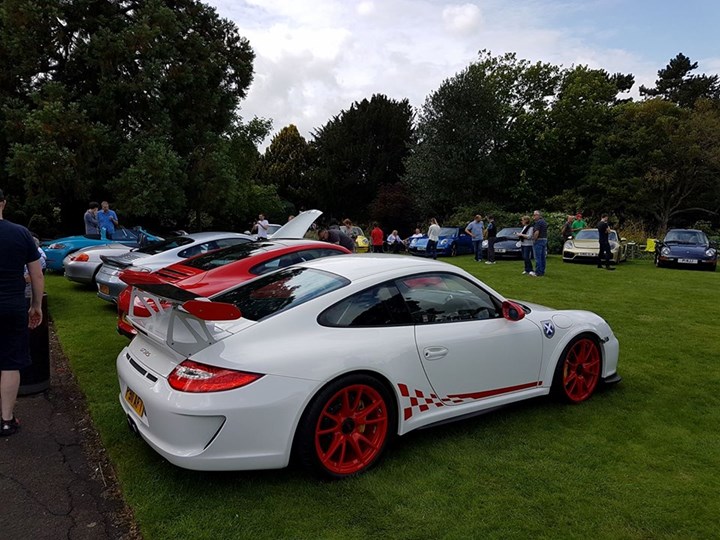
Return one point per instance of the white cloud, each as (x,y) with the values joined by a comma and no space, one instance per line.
(464,19)
(314,58)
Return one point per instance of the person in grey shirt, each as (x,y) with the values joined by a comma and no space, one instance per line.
(476,229)
(91,220)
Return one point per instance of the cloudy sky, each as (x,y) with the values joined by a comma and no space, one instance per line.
(314,58)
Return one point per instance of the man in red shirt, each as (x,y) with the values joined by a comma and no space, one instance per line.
(377,237)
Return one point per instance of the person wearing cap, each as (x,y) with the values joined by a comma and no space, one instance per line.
(19,250)
(578,225)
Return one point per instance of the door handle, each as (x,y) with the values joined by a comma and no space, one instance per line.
(434,353)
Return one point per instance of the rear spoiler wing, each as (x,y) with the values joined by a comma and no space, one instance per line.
(184,321)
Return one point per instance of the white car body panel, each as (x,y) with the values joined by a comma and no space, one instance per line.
(298,357)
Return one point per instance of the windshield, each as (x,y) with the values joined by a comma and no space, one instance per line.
(280,291)
(509,231)
(221,257)
(164,245)
(273,228)
(686,237)
(448,231)
(592,234)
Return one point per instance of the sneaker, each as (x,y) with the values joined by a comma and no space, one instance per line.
(489,262)
(9,427)
(524,272)
(532,274)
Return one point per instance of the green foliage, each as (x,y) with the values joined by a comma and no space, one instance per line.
(131,101)
(466,126)
(358,151)
(507,474)
(676,84)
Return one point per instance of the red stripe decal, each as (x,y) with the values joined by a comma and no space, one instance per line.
(403,390)
(495,392)
(408,412)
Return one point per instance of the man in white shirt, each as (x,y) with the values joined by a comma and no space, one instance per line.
(261,226)
(433,237)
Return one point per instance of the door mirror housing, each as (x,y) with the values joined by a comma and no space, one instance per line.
(512,311)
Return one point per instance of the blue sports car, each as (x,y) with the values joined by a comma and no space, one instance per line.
(56,250)
(453,241)
(686,247)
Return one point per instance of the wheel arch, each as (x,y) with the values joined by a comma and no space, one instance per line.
(562,347)
(382,379)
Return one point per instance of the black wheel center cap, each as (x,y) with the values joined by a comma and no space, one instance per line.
(348,426)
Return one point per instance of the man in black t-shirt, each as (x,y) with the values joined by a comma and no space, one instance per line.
(336,236)
(491,236)
(18,251)
(604,237)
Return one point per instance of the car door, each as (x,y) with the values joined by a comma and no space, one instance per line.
(468,350)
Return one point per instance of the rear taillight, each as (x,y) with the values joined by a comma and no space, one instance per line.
(192,376)
(80,257)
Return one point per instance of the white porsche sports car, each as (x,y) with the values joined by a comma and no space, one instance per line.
(329,359)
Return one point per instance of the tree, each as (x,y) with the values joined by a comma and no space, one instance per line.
(661,163)
(465,127)
(158,80)
(285,165)
(360,150)
(676,84)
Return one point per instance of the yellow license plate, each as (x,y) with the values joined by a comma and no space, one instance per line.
(104,289)
(135,402)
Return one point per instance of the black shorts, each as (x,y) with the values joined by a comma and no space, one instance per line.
(14,341)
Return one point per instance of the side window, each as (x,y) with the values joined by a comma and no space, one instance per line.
(227,242)
(310,254)
(273,264)
(381,305)
(439,298)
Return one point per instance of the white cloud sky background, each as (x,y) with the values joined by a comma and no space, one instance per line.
(315,58)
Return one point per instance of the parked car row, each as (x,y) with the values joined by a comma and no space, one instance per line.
(328,358)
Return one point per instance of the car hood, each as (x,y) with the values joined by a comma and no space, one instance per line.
(298,226)
(685,249)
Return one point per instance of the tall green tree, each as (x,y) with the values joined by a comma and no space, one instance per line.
(676,83)
(159,80)
(285,165)
(465,127)
(360,150)
(660,163)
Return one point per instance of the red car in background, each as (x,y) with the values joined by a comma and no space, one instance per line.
(212,272)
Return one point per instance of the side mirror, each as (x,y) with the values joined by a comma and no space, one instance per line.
(512,311)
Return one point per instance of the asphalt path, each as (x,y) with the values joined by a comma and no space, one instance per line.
(55,478)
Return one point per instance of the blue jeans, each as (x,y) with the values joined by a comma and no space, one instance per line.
(540,250)
(527,257)
(477,249)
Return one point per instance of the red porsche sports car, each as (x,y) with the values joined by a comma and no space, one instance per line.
(221,269)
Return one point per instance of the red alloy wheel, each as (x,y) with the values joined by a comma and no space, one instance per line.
(351,429)
(581,370)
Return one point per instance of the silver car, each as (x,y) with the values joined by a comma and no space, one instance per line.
(81,266)
(159,255)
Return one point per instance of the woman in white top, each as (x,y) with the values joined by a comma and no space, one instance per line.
(394,241)
(526,243)
(433,237)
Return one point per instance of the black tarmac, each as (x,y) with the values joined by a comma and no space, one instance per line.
(55,479)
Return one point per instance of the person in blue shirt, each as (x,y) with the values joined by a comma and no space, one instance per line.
(107,219)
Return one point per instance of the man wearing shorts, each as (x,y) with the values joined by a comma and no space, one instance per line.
(19,250)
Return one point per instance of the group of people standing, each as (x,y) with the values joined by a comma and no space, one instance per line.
(533,242)
(100,220)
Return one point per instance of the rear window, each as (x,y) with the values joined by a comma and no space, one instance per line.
(164,245)
(281,291)
(225,256)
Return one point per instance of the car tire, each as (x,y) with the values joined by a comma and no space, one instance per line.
(346,428)
(453,250)
(577,373)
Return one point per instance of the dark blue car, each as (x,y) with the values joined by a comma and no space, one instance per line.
(688,248)
(453,241)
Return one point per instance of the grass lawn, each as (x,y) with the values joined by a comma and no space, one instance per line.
(641,460)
